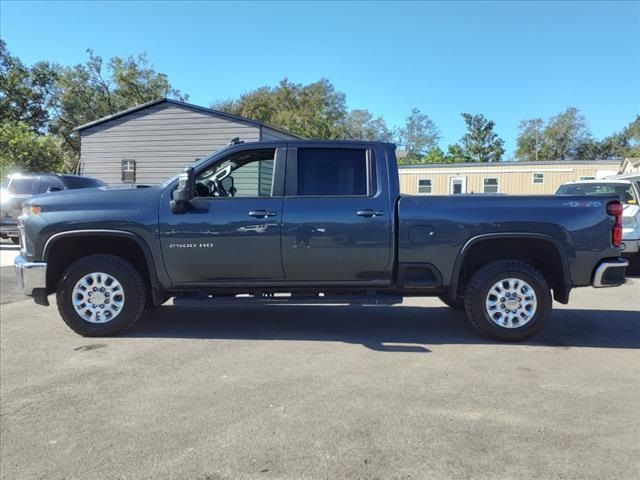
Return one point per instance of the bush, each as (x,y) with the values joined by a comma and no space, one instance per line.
(23,150)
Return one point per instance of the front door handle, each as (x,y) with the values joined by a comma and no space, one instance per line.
(369,212)
(262,213)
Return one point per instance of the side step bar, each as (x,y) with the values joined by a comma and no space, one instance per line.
(206,300)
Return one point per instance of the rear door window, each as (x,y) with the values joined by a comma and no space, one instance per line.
(47,182)
(332,172)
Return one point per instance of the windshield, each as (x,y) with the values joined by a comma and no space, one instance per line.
(624,191)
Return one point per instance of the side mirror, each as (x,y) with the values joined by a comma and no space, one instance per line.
(53,189)
(185,191)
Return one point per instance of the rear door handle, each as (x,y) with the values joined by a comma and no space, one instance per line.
(369,212)
(262,213)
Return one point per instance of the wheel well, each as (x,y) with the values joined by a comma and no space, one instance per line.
(64,251)
(539,253)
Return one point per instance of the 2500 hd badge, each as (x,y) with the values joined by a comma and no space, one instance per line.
(191,245)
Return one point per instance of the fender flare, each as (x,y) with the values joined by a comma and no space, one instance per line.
(560,296)
(156,287)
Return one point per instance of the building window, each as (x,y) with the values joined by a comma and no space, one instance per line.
(129,171)
(424,185)
(490,185)
(587,178)
(538,178)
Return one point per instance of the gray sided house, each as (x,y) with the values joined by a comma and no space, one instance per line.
(149,143)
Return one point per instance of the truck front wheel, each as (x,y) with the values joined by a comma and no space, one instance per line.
(101,295)
(508,300)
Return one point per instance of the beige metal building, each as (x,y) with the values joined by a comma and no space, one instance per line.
(514,178)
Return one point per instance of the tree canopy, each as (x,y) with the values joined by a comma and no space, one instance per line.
(481,143)
(566,136)
(419,136)
(316,110)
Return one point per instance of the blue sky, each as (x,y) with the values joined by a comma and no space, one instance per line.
(507,60)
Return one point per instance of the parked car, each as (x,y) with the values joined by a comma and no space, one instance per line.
(17,188)
(629,192)
(316,222)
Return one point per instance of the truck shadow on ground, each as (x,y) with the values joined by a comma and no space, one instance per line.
(398,329)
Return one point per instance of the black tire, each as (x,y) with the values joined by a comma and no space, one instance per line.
(15,240)
(477,292)
(456,304)
(134,295)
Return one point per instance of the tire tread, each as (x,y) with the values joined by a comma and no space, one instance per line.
(481,276)
(67,313)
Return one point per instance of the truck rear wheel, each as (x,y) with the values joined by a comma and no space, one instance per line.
(101,295)
(508,300)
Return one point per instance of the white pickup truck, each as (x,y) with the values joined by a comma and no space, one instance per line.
(629,192)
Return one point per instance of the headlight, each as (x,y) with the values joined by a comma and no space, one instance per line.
(629,222)
(31,210)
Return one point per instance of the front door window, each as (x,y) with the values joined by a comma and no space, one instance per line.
(244,174)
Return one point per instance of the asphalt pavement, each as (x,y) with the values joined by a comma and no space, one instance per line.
(326,392)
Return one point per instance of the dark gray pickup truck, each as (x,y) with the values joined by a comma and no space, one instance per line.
(312,222)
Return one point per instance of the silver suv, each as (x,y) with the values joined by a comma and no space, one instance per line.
(17,188)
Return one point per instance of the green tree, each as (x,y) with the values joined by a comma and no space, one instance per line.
(481,143)
(418,136)
(632,134)
(315,110)
(25,150)
(530,140)
(24,91)
(613,147)
(563,135)
(456,154)
(436,155)
(361,125)
(589,149)
(86,92)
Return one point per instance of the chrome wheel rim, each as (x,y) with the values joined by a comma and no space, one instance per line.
(511,303)
(98,297)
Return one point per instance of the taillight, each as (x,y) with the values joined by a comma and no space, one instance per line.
(615,209)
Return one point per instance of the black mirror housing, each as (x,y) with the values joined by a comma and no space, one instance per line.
(185,191)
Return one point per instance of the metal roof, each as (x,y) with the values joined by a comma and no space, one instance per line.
(210,111)
(509,164)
